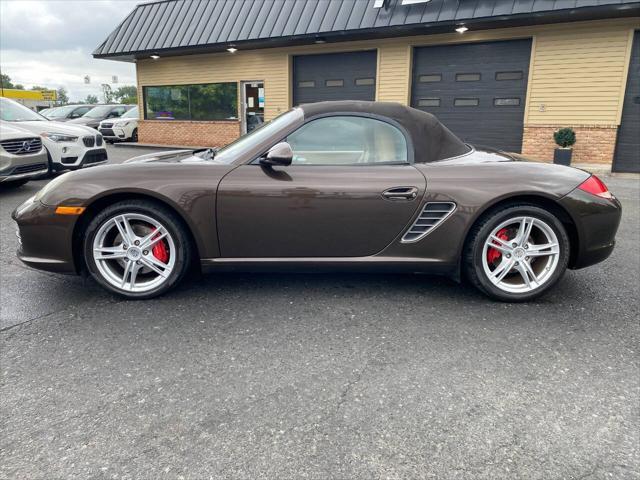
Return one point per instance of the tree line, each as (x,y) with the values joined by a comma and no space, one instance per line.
(126,94)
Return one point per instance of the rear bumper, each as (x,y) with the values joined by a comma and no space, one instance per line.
(45,240)
(597,220)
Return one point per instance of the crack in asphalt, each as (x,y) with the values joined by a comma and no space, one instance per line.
(75,308)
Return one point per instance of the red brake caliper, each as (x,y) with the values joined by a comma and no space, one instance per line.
(160,251)
(493,254)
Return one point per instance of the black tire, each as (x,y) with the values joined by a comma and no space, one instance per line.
(160,213)
(473,253)
(134,135)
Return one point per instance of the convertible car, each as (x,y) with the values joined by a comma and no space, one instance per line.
(328,186)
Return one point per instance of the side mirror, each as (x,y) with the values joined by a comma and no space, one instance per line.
(278,155)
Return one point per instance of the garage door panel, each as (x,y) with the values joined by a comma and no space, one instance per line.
(477,90)
(334,76)
(627,155)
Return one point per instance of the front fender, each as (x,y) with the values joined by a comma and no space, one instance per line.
(188,189)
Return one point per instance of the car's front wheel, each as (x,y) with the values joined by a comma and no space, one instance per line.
(137,249)
(517,253)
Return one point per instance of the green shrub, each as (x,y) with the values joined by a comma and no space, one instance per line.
(565,137)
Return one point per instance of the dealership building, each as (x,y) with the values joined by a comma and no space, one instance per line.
(502,73)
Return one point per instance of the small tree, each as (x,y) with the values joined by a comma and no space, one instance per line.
(565,137)
(126,94)
(63,97)
(5,81)
(107,93)
(91,99)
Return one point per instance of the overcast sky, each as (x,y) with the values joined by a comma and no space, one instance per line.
(49,43)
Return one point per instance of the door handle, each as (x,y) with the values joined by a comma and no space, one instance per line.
(400,193)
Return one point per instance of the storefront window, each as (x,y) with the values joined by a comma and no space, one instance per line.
(211,101)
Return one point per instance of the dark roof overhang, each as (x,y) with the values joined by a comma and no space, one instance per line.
(619,10)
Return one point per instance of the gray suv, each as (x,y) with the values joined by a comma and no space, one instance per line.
(101,112)
(67,113)
(22,156)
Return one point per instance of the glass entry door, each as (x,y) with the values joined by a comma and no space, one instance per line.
(252,105)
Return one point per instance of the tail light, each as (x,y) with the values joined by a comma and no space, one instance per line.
(595,186)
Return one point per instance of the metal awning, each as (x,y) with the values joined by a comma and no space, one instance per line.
(175,27)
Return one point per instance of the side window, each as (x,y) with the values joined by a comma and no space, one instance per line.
(347,140)
(78,112)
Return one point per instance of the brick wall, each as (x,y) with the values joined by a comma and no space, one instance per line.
(594,144)
(201,134)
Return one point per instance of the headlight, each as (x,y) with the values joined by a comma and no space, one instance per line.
(123,124)
(59,137)
(50,186)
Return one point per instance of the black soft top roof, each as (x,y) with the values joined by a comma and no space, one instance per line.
(432,141)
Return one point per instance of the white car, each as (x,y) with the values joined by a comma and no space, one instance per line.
(122,128)
(70,147)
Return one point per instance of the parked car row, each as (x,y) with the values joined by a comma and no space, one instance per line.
(32,145)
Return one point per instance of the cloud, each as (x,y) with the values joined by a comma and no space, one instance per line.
(65,68)
(31,25)
(49,43)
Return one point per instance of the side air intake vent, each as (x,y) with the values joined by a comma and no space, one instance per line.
(432,215)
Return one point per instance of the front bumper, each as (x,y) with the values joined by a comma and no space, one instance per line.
(114,133)
(596,220)
(19,167)
(22,176)
(45,240)
(97,156)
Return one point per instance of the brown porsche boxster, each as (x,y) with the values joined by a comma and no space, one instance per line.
(333,185)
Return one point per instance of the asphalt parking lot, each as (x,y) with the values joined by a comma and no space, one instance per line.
(321,376)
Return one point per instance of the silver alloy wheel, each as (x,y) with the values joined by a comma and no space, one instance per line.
(528,257)
(123,252)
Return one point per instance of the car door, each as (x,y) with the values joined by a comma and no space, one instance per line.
(350,190)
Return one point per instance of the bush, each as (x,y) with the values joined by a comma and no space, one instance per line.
(565,137)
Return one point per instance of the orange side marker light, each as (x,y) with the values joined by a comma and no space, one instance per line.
(70,210)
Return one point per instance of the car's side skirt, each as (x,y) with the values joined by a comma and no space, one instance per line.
(329,264)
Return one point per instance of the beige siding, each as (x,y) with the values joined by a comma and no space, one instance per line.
(394,67)
(577,75)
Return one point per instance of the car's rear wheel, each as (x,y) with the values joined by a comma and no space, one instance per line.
(517,253)
(137,249)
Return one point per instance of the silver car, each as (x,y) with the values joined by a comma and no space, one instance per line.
(22,156)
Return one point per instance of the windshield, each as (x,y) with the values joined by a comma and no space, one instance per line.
(14,112)
(247,142)
(133,113)
(98,112)
(61,112)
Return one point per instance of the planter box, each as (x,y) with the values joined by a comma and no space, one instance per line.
(562,156)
